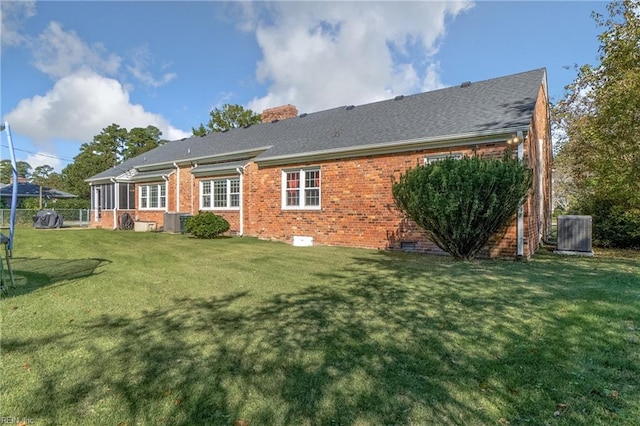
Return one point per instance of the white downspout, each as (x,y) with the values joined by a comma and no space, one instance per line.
(116,200)
(540,189)
(240,170)
(520,222)
(94,204)
(194,166)
(166,193)
(177,187)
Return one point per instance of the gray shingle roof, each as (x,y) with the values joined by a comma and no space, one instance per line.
(33,190)
(217,169)
(483,107)
(152,175)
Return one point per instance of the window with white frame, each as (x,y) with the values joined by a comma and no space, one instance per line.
(220,194)
(435,158)
(301,189)
(153,196)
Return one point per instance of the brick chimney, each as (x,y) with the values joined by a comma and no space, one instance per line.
(279,113)
(21,179)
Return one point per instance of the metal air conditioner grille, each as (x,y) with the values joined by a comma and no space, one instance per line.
(172,222)
(574,234)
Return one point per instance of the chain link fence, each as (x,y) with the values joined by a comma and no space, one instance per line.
(70,217)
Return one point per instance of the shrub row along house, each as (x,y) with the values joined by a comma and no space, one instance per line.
(327,175)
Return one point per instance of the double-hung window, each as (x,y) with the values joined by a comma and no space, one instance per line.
(220,194)
(153,196)
(301,189)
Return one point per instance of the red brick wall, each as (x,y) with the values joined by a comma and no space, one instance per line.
(187,185)
(357,206)
(104,221)
(171,192)
(536,225)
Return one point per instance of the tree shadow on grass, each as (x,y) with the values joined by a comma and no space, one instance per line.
(379,342)
(31,274)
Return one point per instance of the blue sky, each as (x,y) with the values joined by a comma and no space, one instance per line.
(69,69)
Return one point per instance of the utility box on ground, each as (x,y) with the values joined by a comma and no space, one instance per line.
(574,235)
(183,221)
(144,226)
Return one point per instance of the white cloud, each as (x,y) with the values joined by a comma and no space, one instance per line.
(79,106)
(42,158)
(318,55)
(431,79)
(13,15)
(141,58)
(59,53)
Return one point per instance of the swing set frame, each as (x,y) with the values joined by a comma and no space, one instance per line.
(7,240)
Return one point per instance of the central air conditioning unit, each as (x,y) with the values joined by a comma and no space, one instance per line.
(172,222)
(574,235)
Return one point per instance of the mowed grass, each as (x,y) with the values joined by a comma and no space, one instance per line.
(123,328)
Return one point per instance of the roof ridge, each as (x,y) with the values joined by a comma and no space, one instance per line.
(488,105)
(405,96)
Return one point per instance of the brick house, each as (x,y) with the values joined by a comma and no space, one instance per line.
(328,174)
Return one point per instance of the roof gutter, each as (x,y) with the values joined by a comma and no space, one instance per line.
(471,138)
(116,201)
(227,156)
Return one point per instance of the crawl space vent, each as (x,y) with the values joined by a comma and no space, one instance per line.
(302,241)
(408,245)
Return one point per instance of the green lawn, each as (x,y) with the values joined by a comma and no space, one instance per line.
(123,328)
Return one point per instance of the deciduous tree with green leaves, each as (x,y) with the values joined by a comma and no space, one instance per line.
(227,118)
(600,120)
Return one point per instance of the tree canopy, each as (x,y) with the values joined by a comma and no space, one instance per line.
(6,170)
(111,147)
(46,176)
(600,120)
(227,118)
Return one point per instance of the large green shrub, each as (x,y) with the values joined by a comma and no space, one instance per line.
(461,203)
(206,225)
(32,203)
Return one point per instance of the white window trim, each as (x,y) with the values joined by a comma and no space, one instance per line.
(228,208)
(439,157)
(149,185)
(302,187)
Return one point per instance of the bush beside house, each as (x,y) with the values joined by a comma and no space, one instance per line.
(206,225)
